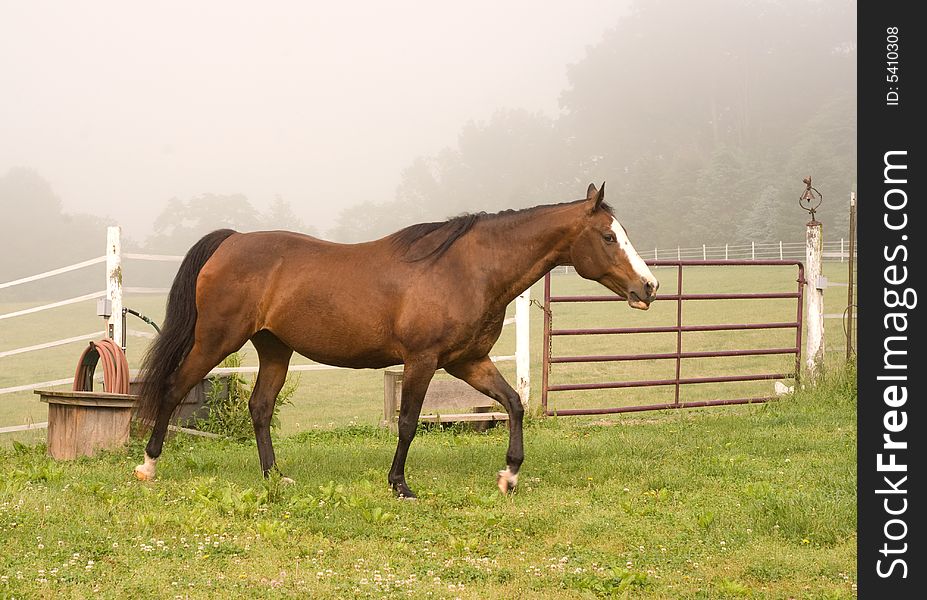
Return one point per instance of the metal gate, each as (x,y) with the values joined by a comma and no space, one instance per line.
(679,355)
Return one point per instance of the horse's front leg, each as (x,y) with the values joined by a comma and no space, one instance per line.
(483,375)
(415,379)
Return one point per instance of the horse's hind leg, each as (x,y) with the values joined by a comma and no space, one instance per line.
(274,358)
(195,366)
(483,375)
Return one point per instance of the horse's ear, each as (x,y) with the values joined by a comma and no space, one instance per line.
(595,197)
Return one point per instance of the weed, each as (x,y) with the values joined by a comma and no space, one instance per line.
(613,582)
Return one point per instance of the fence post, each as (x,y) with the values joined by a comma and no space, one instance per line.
(523,346)
(752,250)
(655,257)
(678,253)
(114,283)
(725,251)
(780,249)
(704,253)
(841,249)
(814,246)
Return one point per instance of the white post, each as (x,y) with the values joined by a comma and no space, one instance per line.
(704,253)
(725,251)
(752,250)
(678,253)
(780,249)
(523,346)
(655,257)
(114,282)
(814,292)
(841,249)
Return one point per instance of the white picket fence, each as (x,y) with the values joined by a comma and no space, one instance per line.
(834,250)
(115,259)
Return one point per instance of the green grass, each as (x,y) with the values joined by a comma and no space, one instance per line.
(753,501)
(338,398)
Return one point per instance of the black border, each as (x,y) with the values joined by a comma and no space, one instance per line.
(884,128)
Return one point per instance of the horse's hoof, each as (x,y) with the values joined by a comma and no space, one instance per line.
(506,480)
(146,470)
(403,492)
(142,474)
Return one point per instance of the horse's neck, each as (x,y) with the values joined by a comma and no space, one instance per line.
(526,247)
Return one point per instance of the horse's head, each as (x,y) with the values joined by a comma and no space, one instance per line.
(602,252)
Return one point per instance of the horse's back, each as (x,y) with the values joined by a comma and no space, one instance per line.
(333,303)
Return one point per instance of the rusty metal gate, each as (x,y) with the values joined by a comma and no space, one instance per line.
(678,355)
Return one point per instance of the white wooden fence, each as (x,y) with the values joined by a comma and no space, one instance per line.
(836,250)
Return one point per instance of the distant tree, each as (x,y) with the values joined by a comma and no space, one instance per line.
(739,97)
(38,235)
(514,160)
(182,223)
(280,215)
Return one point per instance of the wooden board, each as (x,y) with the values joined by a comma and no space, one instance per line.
(446,401)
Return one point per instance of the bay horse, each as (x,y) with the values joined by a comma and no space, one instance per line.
(430,296)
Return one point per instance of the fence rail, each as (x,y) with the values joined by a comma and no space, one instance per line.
(834,251)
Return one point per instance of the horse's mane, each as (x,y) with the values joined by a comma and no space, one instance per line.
(443,234)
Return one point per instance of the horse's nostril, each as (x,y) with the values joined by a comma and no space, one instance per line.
(650,288)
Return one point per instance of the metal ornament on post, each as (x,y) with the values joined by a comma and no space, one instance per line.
(810,200)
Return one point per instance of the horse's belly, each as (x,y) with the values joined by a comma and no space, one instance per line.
(343,347)
(355,360)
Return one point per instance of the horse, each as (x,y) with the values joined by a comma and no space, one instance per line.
(430,296)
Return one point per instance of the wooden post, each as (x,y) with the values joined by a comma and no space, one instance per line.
(814,247)
(523,346)
(114,284)
(851,277)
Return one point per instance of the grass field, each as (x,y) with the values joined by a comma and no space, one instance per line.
(337,398)
(754,501)
(749,501)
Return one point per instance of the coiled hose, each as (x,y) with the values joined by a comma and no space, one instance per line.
(115,367)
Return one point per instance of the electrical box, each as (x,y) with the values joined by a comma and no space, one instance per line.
(104,308)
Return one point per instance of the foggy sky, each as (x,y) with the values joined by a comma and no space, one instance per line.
(121,106)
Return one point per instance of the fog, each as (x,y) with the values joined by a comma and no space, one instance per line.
(122,106)
(350,122)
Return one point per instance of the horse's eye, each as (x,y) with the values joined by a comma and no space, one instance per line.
(610,238)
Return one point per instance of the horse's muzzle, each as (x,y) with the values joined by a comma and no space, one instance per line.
(635,301)
(641,299)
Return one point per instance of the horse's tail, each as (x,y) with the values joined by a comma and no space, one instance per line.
(176,337)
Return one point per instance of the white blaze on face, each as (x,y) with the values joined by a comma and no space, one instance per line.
(637,263)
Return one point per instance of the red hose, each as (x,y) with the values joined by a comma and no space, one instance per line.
(115,367)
